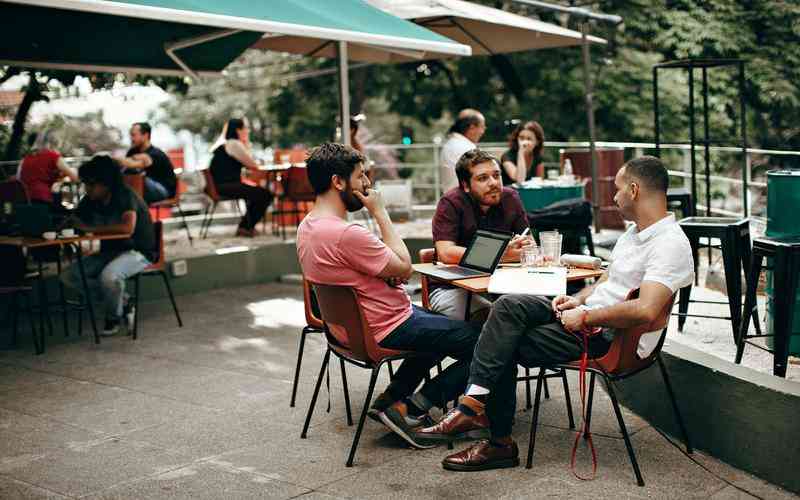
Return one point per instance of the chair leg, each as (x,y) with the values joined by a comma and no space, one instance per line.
(674,402)
(528,404)
(683,305)
(535,418)
(750,307)
(171,298)
(589,240)
(589,407)
(185,225)
(546,389)
(14,318)
(373,378)
(38,341)
(325,359)
(570,416)
(346,393)
(303,334)
(136,281)
(62,298)
(391,370)
(624,430)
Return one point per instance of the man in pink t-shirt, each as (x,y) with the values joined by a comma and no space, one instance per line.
(335,252)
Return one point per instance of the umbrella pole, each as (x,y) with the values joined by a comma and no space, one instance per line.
(587,82)
(344,92)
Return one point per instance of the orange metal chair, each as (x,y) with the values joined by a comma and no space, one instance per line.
(314,325)
(620,362)
(298,193)
(175,202)
(215,197)
(340,310)
(157,268)
(427,256)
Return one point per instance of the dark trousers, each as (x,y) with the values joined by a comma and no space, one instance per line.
(521,329)
(256,198)
(438,336)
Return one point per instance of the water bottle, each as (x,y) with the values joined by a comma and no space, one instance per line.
(567,167)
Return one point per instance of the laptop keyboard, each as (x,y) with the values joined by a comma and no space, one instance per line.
(463,271)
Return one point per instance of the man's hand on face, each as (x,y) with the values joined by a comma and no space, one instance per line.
(564,303)
(373,201)
(572,319)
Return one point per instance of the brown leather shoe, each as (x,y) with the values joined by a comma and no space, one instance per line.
(458,425)
(247,233)
(483,455)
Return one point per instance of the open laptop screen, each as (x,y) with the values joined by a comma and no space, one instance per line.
(485,251)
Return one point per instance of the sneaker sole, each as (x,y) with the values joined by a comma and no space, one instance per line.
(506,463)
(385,420)
(374,415)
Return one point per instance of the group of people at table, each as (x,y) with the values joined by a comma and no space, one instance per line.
(653,255)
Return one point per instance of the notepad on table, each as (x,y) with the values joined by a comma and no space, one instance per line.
(529,281)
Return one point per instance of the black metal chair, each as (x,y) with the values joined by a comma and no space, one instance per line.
(785,257)
(157,268)
(734,235)
(681,199)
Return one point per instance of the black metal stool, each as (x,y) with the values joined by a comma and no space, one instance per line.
(681,198)
(785,268)
(734,235)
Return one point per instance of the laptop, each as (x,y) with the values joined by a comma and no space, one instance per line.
(481,258)
(33,219)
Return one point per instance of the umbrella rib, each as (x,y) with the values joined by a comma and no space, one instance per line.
(322,46)
(473,37)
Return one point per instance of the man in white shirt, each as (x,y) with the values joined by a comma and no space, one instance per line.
(462,137)
(653,255)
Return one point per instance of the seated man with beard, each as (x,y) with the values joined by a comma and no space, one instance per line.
(333,251)
(478,202)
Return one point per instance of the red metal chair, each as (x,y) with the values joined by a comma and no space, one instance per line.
(215,197)
(620,362)
(298,193)
(175,202)
(314,325)
(340,310)
(157,268)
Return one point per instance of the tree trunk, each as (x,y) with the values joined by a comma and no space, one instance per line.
(32,94)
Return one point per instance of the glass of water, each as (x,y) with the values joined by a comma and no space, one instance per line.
(531,256)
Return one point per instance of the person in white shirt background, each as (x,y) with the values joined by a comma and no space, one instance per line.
(653,255)
(462,137)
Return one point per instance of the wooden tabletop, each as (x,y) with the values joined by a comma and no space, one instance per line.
(481,284)
(30,242)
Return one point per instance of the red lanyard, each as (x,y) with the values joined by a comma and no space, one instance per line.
(584,335)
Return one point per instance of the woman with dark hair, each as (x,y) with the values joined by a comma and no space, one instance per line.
(231,153)
(523,159)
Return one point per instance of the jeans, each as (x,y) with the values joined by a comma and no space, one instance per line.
(521,329)
(437,336)
(257,199)
(154,191)
(106,274)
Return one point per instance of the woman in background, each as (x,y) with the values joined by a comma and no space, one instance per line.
(42,168)
(523,159)
(231,153)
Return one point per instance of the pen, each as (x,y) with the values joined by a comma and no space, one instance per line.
(530,271)
(526,231)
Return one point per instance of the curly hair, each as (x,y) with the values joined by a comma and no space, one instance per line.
(537,130)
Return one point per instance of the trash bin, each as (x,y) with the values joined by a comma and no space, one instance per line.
(783,203)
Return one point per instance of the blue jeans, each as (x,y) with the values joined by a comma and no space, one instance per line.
(154,191)
(438,336)
(106,274)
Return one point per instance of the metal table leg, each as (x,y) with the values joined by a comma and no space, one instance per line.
(87,292)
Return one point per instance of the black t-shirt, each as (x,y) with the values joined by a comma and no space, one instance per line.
(511,155)
(161,170)
(95,213)
(225,169)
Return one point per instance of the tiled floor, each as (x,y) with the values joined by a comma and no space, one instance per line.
(202,412)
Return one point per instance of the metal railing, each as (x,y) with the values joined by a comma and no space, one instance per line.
(421,163)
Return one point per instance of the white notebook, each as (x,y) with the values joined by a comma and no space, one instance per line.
(529,281)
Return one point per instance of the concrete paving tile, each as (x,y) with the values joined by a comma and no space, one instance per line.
(755,486)
(17,490)
(125,414)
(208,433)
(207,480)
(43,399)
(731,493)
(320,458)
(15,377)
(84,469)
(37,435)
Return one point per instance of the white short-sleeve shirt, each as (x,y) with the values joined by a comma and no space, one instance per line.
(452,149)
(661,253)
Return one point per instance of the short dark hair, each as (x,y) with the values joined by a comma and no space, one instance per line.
(468,160)
(234,124)
(465,121)
(329,159)
(650,171)
(102,169)
(144,127)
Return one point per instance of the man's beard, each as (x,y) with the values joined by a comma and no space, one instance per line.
(351,203)
(483,198)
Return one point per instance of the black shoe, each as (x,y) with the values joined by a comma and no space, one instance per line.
(383,401)
(397,419)
(110,327)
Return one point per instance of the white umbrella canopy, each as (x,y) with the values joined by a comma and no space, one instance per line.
(485,29)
